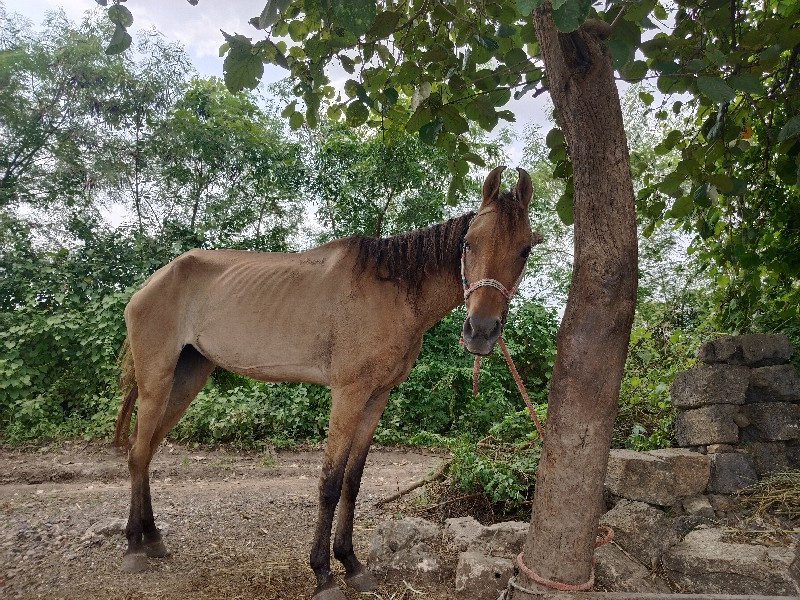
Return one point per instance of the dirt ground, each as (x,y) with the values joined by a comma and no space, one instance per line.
(238,524)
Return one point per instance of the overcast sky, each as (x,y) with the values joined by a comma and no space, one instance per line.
(198,28)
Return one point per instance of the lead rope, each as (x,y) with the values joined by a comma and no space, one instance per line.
(476,368)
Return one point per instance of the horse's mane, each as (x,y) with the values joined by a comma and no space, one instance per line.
(408,258)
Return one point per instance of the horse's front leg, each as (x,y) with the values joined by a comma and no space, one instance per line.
(357,577)
(347,409)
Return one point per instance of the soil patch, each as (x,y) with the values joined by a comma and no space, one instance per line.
(238,524)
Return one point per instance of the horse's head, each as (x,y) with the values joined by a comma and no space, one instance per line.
(493,258)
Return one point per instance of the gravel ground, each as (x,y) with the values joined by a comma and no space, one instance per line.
(238,524)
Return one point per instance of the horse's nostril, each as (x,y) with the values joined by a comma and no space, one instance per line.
(496,329)
(468,327)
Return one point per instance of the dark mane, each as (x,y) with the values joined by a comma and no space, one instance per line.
(408,258)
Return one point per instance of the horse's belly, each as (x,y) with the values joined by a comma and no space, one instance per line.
(265,361)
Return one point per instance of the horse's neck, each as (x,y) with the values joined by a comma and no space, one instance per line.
(440,293)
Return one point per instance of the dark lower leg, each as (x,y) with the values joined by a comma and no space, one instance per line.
(134,528)
(329,492)
(343,540)
(358,576)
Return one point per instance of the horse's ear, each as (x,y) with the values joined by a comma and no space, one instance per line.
(524,189)
(491,187)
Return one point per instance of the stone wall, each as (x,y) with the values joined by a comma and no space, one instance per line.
(738,419)
(741,406)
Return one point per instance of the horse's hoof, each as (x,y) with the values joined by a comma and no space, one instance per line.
(362,581)
(134,563)
(156,549)
(331,593)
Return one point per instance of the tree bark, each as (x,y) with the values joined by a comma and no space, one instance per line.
(592,342)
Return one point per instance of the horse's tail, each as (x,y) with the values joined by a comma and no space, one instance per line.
(130,392)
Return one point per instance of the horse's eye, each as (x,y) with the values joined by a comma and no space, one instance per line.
(467,246)
(525,252)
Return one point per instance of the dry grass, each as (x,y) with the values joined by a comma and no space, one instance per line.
(777,494)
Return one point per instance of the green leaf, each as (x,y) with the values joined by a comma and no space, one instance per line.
(746,82)
(487,42)
(271,13)
(119,15)
(120,41)
(526,7)
(347,64)
(356,16)
(418,119)
(296,120)
(715,88)
(564,210)
(646,97)
(555,138)
(242,68)
(456,185)
(571,14)
(428,133)
(682,207)
(290,108)
(790,130)
(634,71)
(474,159)
(722,182)
(357,113)
(458,168)
(453,120)
(385,23)
(670,185)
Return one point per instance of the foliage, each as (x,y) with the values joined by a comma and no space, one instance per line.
(438,392)
(502,465)
(664,341)
(233,173)
(54,85)
(253,413)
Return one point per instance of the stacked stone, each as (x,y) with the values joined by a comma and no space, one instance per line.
(741,406)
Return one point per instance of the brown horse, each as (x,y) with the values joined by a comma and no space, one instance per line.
(349,314)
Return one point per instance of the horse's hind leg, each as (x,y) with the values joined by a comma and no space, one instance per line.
(144,539)
(357,577)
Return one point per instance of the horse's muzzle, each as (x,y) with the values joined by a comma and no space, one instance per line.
(481,333)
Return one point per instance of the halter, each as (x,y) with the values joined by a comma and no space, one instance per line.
(486,282)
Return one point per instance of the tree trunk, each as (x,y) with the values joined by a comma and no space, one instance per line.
(593,339)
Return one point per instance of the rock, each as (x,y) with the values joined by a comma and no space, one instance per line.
(105,528)
(793,460)
(683,524)
(710,384)
(741,420)
(722,503)
(400,547)
(641,530)
(482,577)
(615,570)
(698,506)
(463,530)
(772,421)
(767,456)
(779,383)
(714,448)
(754,350)
(730,472)
(703,563)
(707,425)
(691,469)
(640,476)
(501,539)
